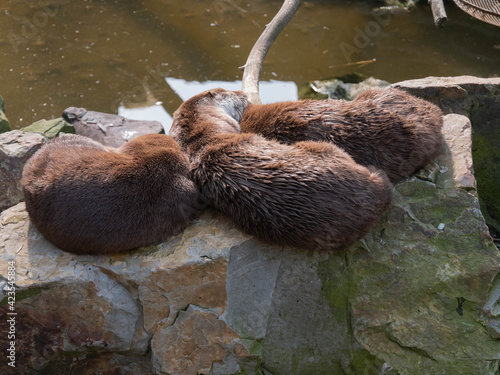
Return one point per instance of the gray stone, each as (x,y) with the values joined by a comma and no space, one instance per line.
(16,147)
(347,87)
(108,129)
(479,100)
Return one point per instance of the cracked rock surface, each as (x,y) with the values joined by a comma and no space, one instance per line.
(16,147)
(420,294)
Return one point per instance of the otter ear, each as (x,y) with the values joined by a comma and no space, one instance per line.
(211,94)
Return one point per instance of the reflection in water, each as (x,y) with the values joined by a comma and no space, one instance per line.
(99,54)
(151,113)
(269,91)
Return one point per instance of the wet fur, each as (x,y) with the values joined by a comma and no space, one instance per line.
(386,128)
(310,195)
(89,199)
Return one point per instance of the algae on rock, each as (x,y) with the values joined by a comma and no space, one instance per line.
(50,128)
(4,123)
(345,87)
(479,100)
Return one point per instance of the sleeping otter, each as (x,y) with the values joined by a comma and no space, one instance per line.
(89,199)
(386,128)
(310,195)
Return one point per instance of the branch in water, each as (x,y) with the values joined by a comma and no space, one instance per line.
(438,12)
(253,66)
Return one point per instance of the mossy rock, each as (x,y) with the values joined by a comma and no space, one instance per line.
(400,4)
(487,171)
(4,123)
(50,128)
(308,91)
(346,87)
(485,118)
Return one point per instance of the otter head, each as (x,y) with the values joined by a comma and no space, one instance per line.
(212,112)
(233,103)
(229,107)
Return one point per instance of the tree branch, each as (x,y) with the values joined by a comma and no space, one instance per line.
(253,66)
(438,12)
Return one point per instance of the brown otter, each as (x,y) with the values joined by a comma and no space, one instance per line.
(89,199)
(310,195)
(387,128)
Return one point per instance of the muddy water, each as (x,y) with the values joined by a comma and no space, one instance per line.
(101,54)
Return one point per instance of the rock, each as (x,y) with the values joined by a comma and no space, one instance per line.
(463,95)
(16,147)
(110,130)
(117,304)
(396,6)
(346,87)
(479,100)
(420,294)
(195,341)
(4,123)
(457,132)
(50,128)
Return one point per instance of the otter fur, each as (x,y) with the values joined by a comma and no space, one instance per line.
(89,199)
(387,128)
(310,195)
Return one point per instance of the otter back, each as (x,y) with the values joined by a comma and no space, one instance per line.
(86,198)
(311,195)
(386,128)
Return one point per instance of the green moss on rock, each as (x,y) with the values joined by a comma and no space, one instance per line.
(22,294)
(346,87)
(4,123)
(50,128)
(487,170)
(363,362)
(306,91)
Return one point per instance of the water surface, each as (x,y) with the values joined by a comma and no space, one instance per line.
(109,54)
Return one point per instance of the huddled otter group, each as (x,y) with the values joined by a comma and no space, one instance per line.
(310,194)
(314,174)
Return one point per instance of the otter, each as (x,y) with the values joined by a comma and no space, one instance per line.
(310,195)
(387,128)
(86,198)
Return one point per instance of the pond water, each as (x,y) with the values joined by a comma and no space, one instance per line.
(107,55)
